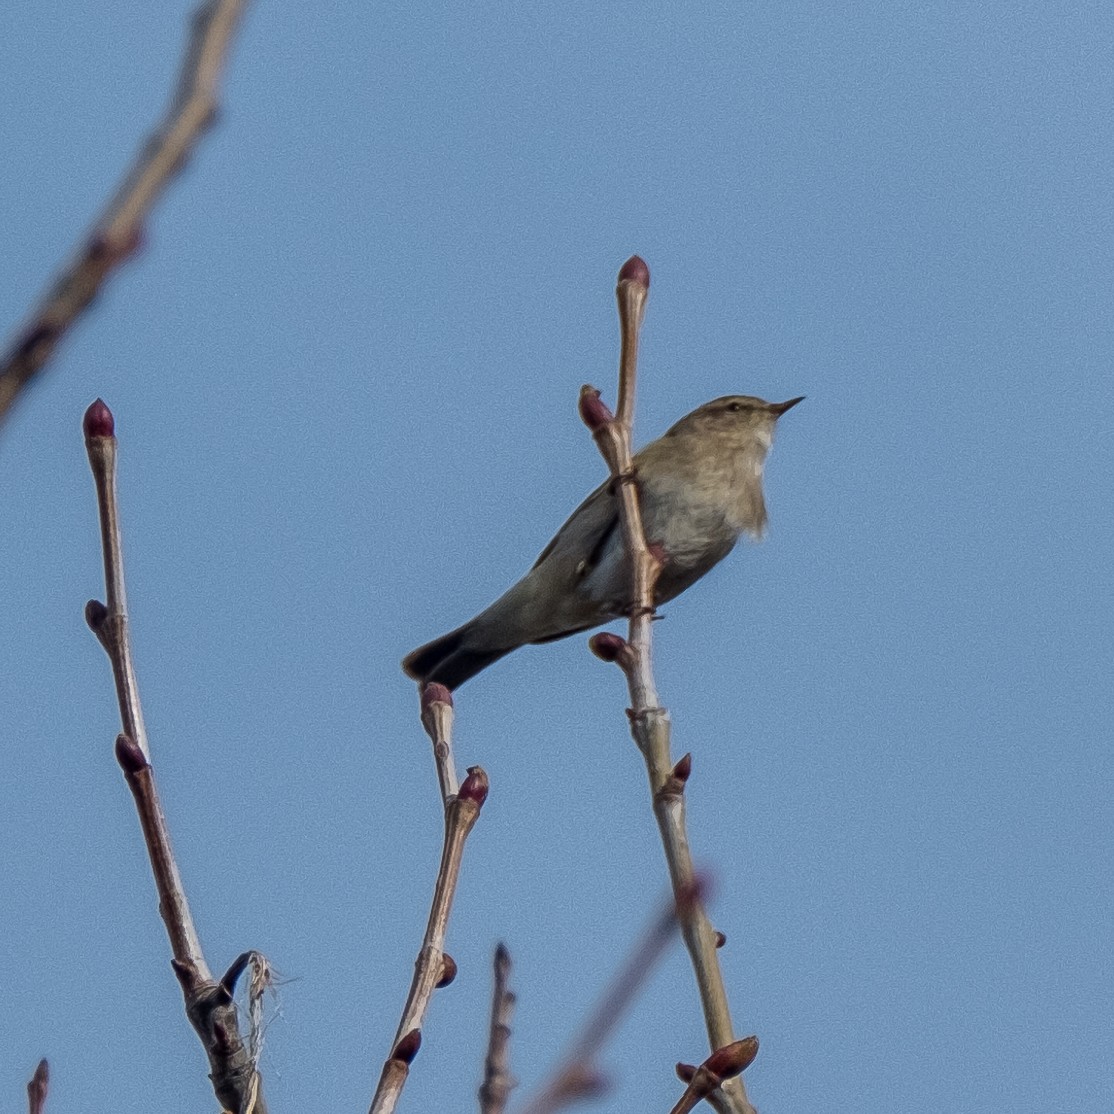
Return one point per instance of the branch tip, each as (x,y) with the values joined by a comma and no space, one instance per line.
(475,786)
(38,1086)
(98,420)
(635,270)
(434,693)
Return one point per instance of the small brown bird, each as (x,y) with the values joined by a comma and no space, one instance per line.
(699,488)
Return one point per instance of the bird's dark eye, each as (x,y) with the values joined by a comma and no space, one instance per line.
(734,407)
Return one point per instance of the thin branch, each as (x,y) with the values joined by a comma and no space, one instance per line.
(118,232)
(498,1081)
(209,1004)
(433,967)
(649,721)
(437,719)
(578,1075)
(109,620)
(37,1089)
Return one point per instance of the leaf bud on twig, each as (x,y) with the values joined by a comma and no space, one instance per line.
(129,755)
(98,420)
(635,270)
(731,1059)
(594,412)
(475,786)
(407,1047)
(95,614)
(448,970)
(435,694)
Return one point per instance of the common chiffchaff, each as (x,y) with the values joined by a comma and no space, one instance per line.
(699,489)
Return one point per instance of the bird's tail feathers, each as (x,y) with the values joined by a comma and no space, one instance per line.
(449,660)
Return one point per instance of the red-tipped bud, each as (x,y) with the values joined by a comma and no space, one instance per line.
(95,614)
(732,1058)
(635,270)
(434,693)
(129,755)
(593,412)
(607,646)
(98,421)
(685,1072)
(407,1047)
(475,786)
(683,769)
(448,970)
(720,938)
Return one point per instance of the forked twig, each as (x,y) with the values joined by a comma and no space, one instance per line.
(649,721)
(209,1003)
(118,232)
(434,967)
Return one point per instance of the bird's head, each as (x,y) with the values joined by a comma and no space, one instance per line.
(737,418)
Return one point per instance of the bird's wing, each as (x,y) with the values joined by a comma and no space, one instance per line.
(586,533)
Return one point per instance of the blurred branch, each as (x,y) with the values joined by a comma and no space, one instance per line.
(37,1089)
(498,1081)
(209,1004)
(578,1076)
(118,233)
(649,721)
(433,967)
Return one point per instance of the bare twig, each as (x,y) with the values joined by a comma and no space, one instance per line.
(648,720)
(433,967)
(437,719)
(498,1081)
(209,1004)
(109,620)
(118,232)
(37,1089)
(578,1075)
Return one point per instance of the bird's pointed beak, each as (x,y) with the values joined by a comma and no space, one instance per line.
(779,408)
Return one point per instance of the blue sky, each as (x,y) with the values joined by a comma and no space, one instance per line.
(344,373)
